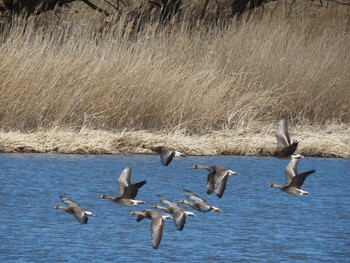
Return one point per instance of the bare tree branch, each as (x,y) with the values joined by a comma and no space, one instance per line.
(116,7)
(340,2)
(93,6)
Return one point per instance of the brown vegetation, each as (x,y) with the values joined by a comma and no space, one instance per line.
(73,72)
(325,141)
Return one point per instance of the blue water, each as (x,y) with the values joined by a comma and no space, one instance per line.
(257,223)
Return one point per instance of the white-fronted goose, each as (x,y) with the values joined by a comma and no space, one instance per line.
(199,203)
(127,191)
(217,178)
(284,147)
(166,153)
(174,209)
(294,181)
(74,209)
(157,224)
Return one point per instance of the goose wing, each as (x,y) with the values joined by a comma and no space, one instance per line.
(124,180)
(167,201)
(220,183)
(68,201)
(291,170)
(130,191)
(299,179)
(157,227)
(166,155)
(288,151)
(193,196)
(179,217)
(282,135)
(210,183)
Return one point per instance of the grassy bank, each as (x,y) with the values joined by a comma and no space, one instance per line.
(71,74)
(325,141)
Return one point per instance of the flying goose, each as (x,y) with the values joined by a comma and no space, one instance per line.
(294,181)
(284,147)
(217,178)
(74,209)
(198,203)
(127,191)
(166,153)
(174,209)
(157,224)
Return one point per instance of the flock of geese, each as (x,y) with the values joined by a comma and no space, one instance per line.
(216,183)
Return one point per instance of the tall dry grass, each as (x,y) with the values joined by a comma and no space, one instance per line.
(72,73)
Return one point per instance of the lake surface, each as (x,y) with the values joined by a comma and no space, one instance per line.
(257,223)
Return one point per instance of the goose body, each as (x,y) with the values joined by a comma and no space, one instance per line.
(284,146)
(179,215)
(198,203)
(166,153)
(74,209)
(127,191)
(216,179)
(294,180)
(157,225)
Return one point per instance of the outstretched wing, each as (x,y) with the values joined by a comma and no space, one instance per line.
(220,184)
(166,201)
(193,196)
(130,191)
(282,135)
(124,180)
(287,151)
(179,218)
(210,183)
(292,168)
(68,201)
(166,155)
(157,227)
(299,179)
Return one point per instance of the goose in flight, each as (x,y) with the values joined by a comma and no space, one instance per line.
(217,178)
(198,203)
(157,224)
(174,209)
(74,209)
(127,191)
(166,153)
(284,147)
(294,180)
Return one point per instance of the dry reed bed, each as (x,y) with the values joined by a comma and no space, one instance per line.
(325,141)
(70,75)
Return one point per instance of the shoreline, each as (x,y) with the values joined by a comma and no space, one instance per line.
(325,141)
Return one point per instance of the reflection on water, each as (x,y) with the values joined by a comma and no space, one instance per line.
(257,223)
